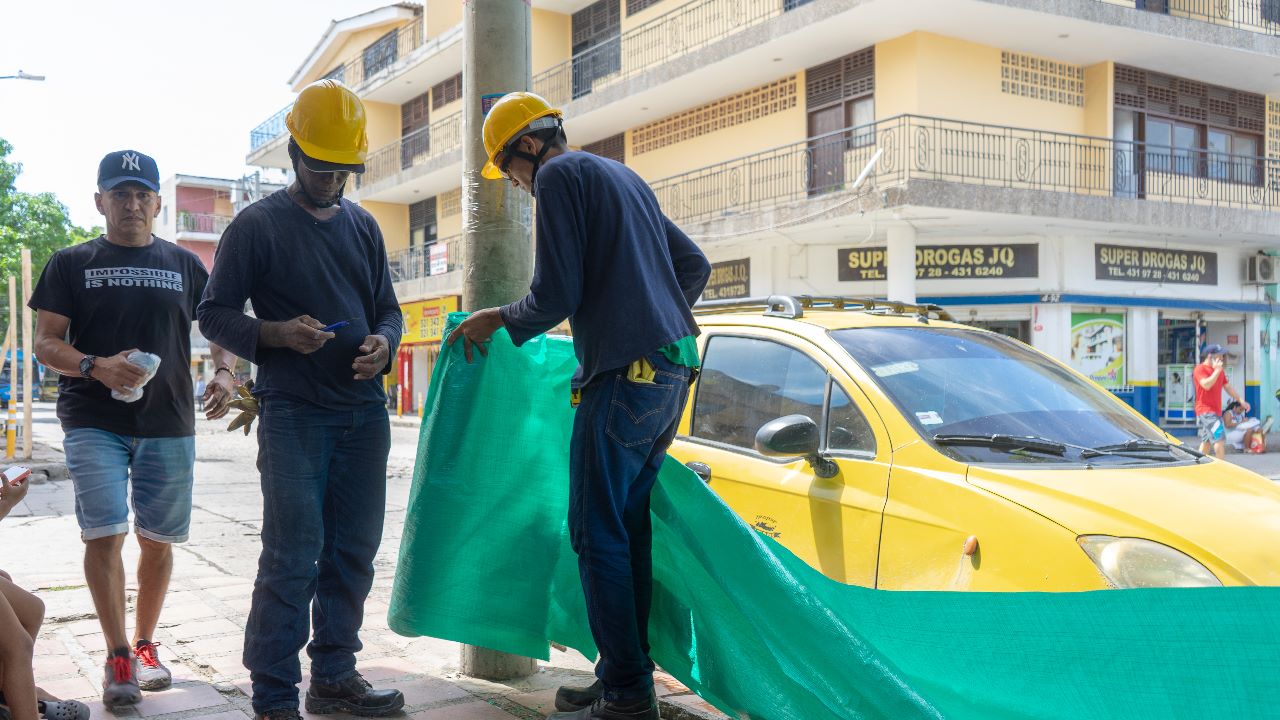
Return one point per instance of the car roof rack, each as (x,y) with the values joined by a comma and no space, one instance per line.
(787,306)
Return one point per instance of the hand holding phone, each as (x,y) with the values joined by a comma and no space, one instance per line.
(16,475)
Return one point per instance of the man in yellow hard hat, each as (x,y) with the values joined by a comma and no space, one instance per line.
(626,278)
(326,326)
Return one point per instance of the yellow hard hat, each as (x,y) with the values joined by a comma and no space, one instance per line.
(511,117)
(327,121)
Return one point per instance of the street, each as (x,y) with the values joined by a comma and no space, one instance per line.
(202,628)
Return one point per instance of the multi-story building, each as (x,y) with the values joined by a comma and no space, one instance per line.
(194,211)
(1094,177)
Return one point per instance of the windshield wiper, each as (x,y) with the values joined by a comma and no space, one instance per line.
(1004,442)
(1139,445)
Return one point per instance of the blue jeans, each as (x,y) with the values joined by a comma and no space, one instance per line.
(621,432)
(103,466)
(324,488)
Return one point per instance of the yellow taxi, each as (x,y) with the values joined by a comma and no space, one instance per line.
(889,447)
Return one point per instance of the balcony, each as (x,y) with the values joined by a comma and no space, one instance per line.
(1261,16)
(424,151)
(202,224)
(416,276)
(945,163)
(270,129)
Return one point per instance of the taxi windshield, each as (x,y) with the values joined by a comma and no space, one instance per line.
(983,397)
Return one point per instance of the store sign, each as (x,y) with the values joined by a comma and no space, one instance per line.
(945,262)
(424,321)
(439,258)
(1160,265)
(731,279)
(1097,347)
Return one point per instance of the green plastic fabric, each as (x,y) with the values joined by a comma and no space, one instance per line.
(683,352)
(485,559)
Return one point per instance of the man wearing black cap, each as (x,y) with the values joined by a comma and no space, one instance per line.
(125,291)
(1211,380)
(325,330)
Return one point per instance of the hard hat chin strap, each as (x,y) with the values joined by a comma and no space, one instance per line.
(535,160)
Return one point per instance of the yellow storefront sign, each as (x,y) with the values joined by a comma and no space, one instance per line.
(424,320)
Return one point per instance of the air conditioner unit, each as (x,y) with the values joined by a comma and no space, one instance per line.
(1262,270)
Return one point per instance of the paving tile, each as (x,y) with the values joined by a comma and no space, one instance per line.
(51,666)
(205,628)
(211,646)
(387,668)
(229,665)
(694,702)
(191,610)
(224,715)
(232,591)
(98,712)
(478,710)
(543,701)
(426,690)
(179,698)
(72,688)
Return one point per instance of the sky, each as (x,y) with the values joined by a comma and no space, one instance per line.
(181,81)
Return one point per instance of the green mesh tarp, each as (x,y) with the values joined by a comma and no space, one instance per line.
(486,560)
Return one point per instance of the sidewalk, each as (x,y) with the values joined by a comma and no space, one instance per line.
(202,628)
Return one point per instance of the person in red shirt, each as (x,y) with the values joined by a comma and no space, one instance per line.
(1210,381)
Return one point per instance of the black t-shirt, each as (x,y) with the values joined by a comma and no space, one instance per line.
(120,298)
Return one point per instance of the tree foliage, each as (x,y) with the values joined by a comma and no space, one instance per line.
(36,221)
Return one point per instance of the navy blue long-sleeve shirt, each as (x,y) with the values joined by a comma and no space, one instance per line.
(608,260)
(288,263)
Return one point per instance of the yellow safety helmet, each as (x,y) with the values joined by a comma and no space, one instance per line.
(514,115)
(327,121)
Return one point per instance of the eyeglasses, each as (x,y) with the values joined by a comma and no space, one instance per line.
(503,166)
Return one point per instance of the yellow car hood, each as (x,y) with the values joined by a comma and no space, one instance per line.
(1224,516)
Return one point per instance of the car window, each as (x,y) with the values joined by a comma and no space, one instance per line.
(847,428)
(746,382)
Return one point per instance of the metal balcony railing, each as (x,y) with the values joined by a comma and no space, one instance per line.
(439,138)
(415,262)
(272,127)
(923,148)
(203,222)
(684,29)
(1262,16)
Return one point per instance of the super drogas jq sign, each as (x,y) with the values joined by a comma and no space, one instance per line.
(1160,265)
(946,262)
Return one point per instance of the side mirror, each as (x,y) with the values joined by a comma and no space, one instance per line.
(795,435)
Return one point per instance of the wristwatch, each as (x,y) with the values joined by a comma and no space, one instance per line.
(86,366)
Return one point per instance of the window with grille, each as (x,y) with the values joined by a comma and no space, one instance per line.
(722,114)
(445,92)
(610,147)
(636,6)
(381,54)
(1041,79)
(422,222)
(1180,99)
(597,44)
(415,144)
(337,73)
(450,203)
(846,78)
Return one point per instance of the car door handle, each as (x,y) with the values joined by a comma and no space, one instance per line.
(702,470)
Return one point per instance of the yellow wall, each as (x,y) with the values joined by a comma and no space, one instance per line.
(780,128)
(393,219)
(222,206)
(441,15)
(1099,99)
(446,110)
(448,225)
(649,13)
(960,80)
(552,39)
(382,123)
(350,48)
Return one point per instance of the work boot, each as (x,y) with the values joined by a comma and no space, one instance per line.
(281,714)
(569,699)
(152,674)
(120,684)
(602,709)
(353,695)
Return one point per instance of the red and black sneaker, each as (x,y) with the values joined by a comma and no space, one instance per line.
(120,681)
(152,674)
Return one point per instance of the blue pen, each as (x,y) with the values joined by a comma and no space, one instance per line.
(336,326)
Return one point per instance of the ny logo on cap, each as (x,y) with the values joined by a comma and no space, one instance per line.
(130,162)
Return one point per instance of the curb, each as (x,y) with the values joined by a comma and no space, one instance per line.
(669,710)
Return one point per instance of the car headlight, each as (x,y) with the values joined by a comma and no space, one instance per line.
(1137,563)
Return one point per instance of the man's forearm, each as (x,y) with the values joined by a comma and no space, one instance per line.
(222,357)
(59,355)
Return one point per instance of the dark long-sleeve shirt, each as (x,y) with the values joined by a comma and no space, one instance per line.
(288,263)
(611,262)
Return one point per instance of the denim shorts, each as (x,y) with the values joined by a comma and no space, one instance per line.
(112,472)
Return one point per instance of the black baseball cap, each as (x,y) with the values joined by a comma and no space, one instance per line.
(124,166)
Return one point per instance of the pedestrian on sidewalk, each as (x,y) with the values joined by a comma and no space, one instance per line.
(309,259)
(1210,381)
(118,293)
(626,278)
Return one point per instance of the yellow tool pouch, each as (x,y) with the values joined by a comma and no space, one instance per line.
(641,371)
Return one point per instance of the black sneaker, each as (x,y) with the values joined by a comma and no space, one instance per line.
(569,699)
(602,709)
(281,714)
(353,695)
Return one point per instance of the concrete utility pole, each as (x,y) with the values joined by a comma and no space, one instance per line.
(496,217)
